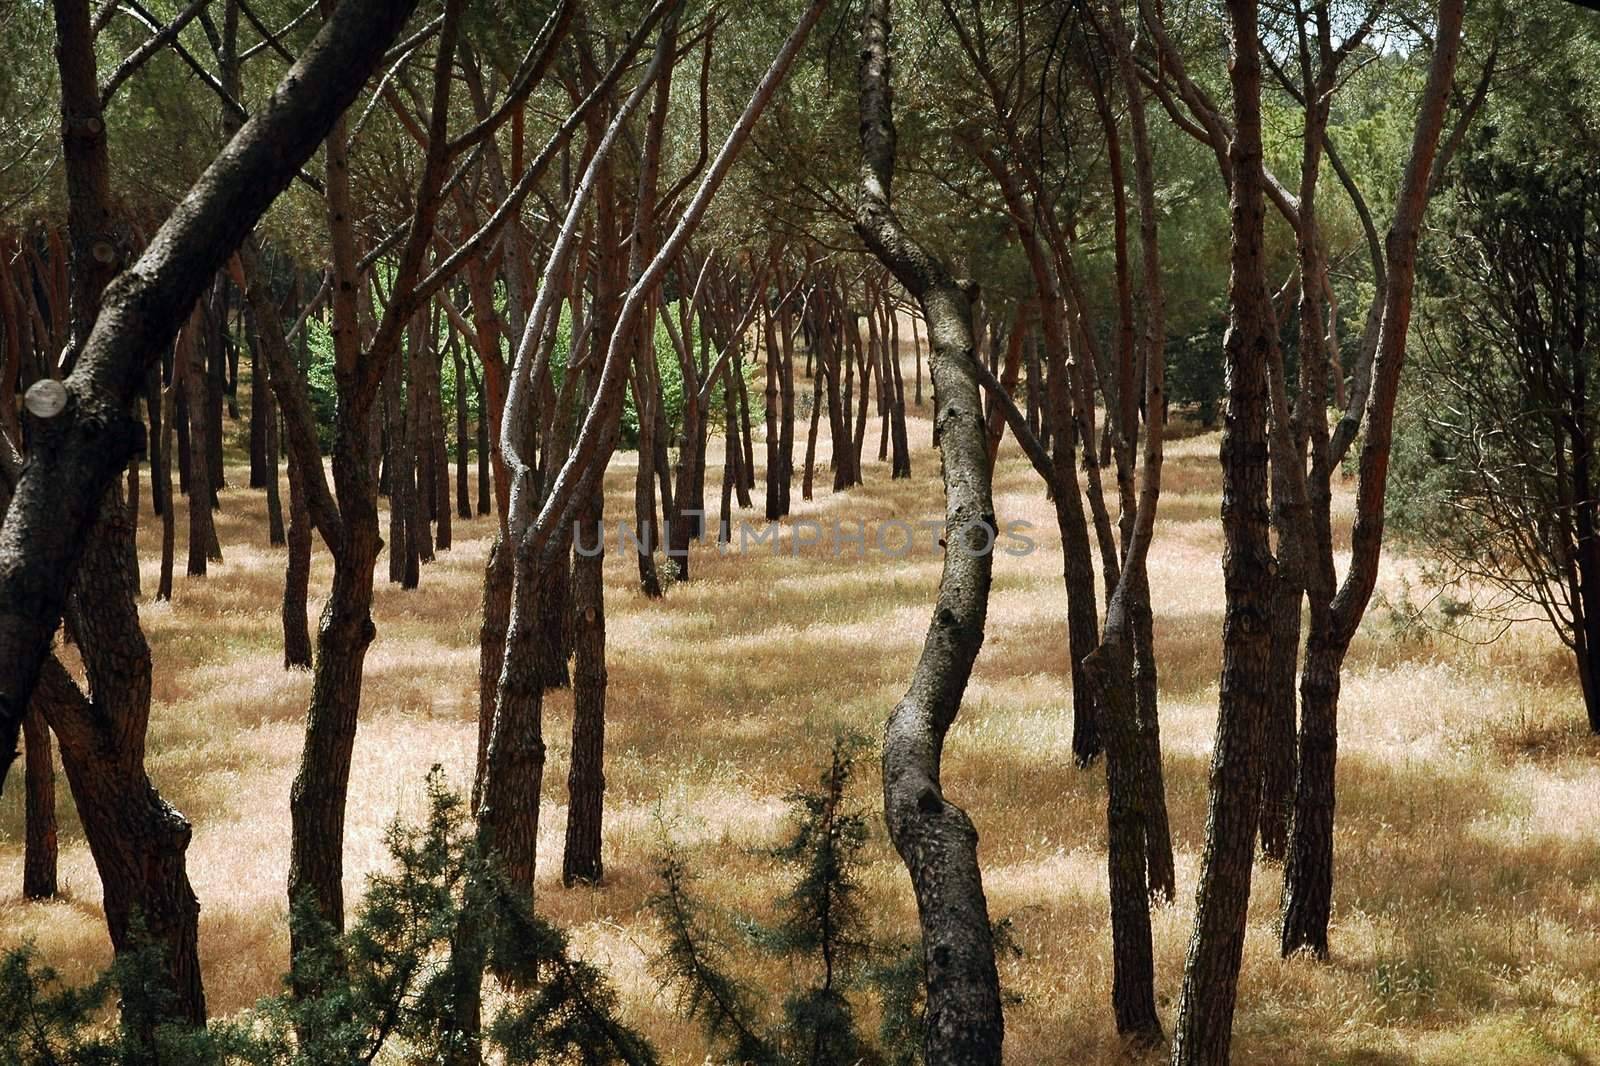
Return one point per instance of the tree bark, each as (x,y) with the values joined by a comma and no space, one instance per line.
(935,838)
(1308,873)
(39,845)
(586,782)
(1211,970)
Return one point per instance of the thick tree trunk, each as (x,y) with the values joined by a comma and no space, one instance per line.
(1308,874)
(1160,868)
(555,617)
(137,839)
(496,613)
(1308,870)
(1278,740)
(317,799)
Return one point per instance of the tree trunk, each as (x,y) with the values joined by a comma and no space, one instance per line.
(586,783)
(647,395)
(1308,870)
(774,471)
(1278,740)
(496,613)
(258,421)
(39,846)
(203,545)
(297,576)
(1211,971)
(213,343)
(163,476)
(811,435)
(485,456)
(897,413)
(934,837)
(1308,874)
(275,531)
(137,839)
(463,488)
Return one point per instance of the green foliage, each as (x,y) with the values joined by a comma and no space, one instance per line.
(390,989)
(1491,460)
(821,930)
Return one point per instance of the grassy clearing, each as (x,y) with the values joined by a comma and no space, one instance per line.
(1468,878)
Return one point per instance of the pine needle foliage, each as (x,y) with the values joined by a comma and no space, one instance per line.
(389,990)
(821,930)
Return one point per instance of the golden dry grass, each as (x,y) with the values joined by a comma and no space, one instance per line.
(1468,879)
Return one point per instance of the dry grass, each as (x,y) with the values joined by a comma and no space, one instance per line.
(1468,880)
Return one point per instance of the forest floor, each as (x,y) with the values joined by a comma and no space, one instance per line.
(1468,873)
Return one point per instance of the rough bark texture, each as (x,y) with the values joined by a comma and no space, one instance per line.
(1211,970)
(137,839)
(934,837)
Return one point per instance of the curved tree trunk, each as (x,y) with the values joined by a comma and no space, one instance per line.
(934,837)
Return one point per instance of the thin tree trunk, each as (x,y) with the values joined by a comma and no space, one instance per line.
(811,435)
(1211,971)
(275,531)
(786,421)
(163,476)
(463,451)
(297,576)
(586,782)
(39,838)
(202,530)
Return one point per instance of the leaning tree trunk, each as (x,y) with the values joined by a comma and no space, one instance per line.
(935,838)
(137,839)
